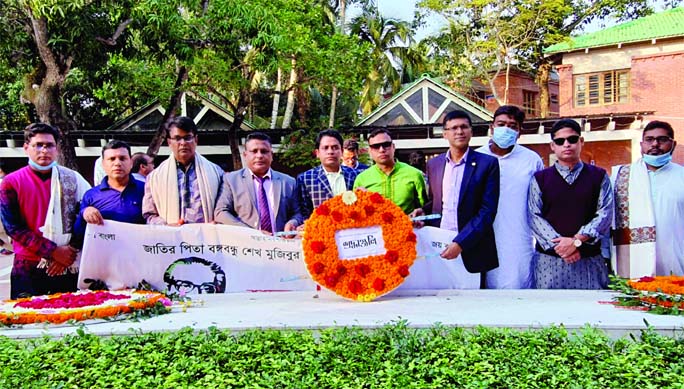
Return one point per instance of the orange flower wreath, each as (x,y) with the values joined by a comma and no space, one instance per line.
(83,305)
(367,278)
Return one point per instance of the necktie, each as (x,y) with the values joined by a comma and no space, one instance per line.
(264,213)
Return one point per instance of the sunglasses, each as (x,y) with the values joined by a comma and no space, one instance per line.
(385,145)
(571,139)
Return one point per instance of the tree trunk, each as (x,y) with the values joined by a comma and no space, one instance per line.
(508,82)
(333,94)
(174,105)
(276,99)
(289,108)
(303,100)
(333,107)
(46,99)
(543,75)
(239,117)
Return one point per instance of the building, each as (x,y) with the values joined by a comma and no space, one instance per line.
(632,68)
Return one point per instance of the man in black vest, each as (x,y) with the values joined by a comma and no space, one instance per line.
(571,208)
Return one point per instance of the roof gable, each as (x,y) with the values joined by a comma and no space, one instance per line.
(667,24)
(205,112)
(425,101)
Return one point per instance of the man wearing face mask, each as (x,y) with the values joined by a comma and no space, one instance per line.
(39,206)
(517,165)
(649,193)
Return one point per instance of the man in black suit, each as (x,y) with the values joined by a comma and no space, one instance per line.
(464,189)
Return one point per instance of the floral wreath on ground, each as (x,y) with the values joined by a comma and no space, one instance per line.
(660,294)
(82,305)
(362,279)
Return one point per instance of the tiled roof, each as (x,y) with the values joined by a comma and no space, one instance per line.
(665,24)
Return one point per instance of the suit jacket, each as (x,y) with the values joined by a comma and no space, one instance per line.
(361,167)
(237,201)
(477,204)
(313,188)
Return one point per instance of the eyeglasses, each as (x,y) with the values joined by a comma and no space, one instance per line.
(41,146)
(178,139)
(660,139)
(571,139)
(377,146)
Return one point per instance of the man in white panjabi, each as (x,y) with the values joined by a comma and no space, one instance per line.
(517,165)
(649,200)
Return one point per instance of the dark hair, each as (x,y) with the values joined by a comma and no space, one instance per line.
(512,111)
(258,135)
(565,123)
(659,124)
(379,131)
(138,159)
(116,144)
(458,114)
(183,123)
(331,133)
(34,129)
(351,145)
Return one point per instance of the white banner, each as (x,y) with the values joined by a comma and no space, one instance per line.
(212,258)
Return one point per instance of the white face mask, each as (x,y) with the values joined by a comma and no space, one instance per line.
(42,168)
(504,137)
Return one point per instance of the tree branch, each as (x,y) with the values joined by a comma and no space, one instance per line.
(119,30)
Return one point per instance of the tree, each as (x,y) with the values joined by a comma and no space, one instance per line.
(496,34)
(57,44)
(389,40)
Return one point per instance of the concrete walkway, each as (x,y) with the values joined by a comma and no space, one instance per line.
(518,309)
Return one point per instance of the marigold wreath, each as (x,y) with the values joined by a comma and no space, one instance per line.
(83,305)
(367,278)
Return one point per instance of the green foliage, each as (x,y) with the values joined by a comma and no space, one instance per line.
(390,357)
(297,149)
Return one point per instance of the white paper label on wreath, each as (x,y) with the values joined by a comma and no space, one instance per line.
(354,243)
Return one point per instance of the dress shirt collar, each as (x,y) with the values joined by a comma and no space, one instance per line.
(462,161)
(268,174)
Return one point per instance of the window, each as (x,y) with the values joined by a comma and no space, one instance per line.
(602,88)
(529,102)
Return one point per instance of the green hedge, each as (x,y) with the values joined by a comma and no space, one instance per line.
(391,357)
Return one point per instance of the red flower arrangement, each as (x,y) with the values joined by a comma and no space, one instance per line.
(83,305)
(362,279)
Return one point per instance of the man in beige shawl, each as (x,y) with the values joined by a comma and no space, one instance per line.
(183,189)
(649,215)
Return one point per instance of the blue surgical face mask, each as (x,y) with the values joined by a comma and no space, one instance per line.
(658,160)
(504,137)
(42,168)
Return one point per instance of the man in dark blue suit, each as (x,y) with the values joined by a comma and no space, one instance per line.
(464,189)
(329,179)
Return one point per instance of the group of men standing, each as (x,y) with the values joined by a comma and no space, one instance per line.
(517,224)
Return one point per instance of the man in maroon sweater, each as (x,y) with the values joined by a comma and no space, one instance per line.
(571,208)
(41,228)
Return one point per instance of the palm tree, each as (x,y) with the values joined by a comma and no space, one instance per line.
(389,40)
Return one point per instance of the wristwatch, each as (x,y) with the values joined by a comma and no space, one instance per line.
(577,243)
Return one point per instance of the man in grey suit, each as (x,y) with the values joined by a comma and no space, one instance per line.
(257,196)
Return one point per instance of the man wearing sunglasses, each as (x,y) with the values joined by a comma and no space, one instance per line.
(184,188)
(649,233)
(517,165)
(571,208)
(398,181)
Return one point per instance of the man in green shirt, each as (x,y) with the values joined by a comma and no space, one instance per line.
(398,181)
